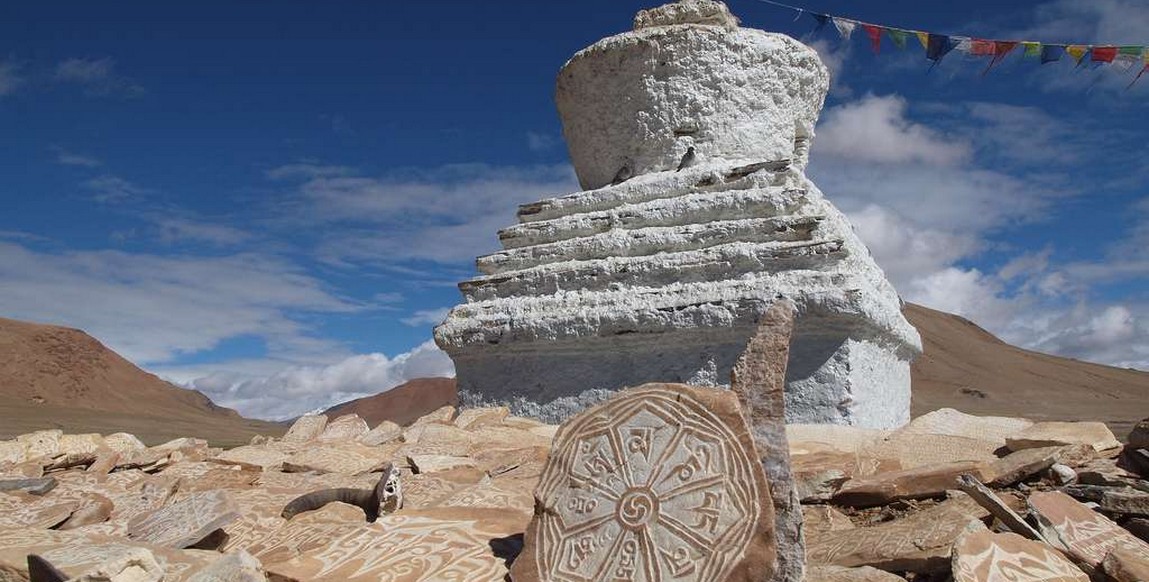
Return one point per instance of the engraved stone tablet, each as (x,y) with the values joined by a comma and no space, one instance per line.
(981,556)
(662,482)
(182,524)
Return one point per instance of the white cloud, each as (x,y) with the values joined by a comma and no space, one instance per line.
(67,158)
(114,189)
(10,79)
(97,77)
(152,308)
(173,229)
(876,129)
(542,142)
(295,390)
(427,317)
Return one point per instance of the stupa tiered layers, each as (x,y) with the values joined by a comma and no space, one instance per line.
(662,275)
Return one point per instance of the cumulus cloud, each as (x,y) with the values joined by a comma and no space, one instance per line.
(427,317)
(97,77)
(296,390)
(153,308)
(926,205)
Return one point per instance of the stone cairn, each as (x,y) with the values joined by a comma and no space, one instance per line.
(690,136)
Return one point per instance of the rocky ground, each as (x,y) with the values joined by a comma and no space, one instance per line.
(1060,501)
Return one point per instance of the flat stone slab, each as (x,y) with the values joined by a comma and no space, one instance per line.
(916,483)
(186,522)
(1087,536)
(842,574)
(386,432)
(255,455)
(306,428)
(1050,434)
(663,482)
(919,543)
(983,556)
(348,427)
(346,458)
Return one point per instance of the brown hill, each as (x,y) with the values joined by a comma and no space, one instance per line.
(963,367)
(56,377)
(401,404)
(967,368)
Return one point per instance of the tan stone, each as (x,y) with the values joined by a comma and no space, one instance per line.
(471,418)
(982,556)
(947,421)
(75,553)
(454,545)
(11,452)
(186,522)
(661,478)
(442,415)
(306,428)
(1021,465)
(124,443)
(210,476)
(843,574)
(237,566)
(81,443)
(95,508)
(437,439)
(822,437)
(42,443)
(254,455)
(526,463)
(916,483)
(921,450)
(1139,436)
(426,491)
(1050,434)
(823,518)
(347,458)
(1087,536)
(1126,564)
(144,496)
(133,565)
(818,476)
(919,543)
(492,437)
(348,427)
(547,431)
(522,423)
(386,432)
(20,510)
(436,463)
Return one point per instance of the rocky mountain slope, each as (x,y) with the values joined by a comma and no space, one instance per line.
(56,377)
(401,404)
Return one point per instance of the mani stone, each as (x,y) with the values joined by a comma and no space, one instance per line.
(664,276)
(1084,534)
(982,556)
(186,522)
(661,482)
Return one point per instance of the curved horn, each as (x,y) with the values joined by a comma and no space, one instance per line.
(361,498)
(39,570)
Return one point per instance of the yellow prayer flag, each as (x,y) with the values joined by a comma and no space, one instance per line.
(1077,51)
(924,38)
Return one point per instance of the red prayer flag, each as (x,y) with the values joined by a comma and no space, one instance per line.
(875,33)
(1104,54)
(981,48)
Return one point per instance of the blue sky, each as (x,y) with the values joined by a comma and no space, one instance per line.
(272,202)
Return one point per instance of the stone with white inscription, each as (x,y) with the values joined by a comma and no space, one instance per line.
(254,455)
(237,566)
(42,443)
(347,458)
(386,432)
(185,522)
(982,556)
(473,418)
(124,443)
(348,427)
(1084,534)
(1051,434)
(306,428)
(653,274)
(663,482)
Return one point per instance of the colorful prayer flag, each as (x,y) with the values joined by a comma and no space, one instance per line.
(924,38)
(1051,53)
(1104,54)
(875,34)
(845,26)
(964,44)
(823,20)
(940,45)
(981,48)
(898,36)
(1077,51)
(1032,49)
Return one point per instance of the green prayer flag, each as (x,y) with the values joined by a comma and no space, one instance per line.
(1132,51)
(1032,49)
(898,36)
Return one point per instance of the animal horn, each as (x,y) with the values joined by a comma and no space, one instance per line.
(40,570)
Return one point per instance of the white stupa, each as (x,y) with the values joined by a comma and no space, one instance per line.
(656,274)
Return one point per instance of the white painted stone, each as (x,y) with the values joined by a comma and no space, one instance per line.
(663,277)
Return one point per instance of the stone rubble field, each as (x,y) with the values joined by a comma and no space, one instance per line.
(1042,501)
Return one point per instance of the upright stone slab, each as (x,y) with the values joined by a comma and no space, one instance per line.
(659,275)
(759,380)
(662,482)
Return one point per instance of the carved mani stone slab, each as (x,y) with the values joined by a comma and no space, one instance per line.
(182,524)
(662,482)
(980,556)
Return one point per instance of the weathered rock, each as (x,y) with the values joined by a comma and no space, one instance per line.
(1139,436)
(347,458)
(663,277)
(997,507)
(1138,527)
(812,438)
(39,486)
(94,509)
(18,511)
(11,452)
(981,556)
(1051,434)
(186,522)
(254,455)
(1124,500)
(436,463)
(823,518)
(472,418)
(919,543)
(306,428)
(81,443)
(706,12)
(444,415)
(1023,464)
(916,483)
(348,427)
(1137,460)
(819,476)
(1062,474)
(759,380)
(660,481)
(843,574)
(237,566)
(947,421)
(440,439)
(1084,534)
(947,436)
(133,565)
(1126,564)
(124,443)
(386,432)
(42,443)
